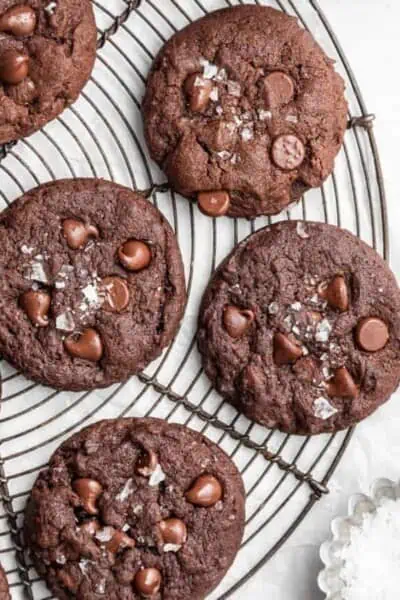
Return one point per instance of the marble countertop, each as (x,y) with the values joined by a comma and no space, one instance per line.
(368,32)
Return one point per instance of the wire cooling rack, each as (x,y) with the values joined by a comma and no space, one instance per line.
(101,136)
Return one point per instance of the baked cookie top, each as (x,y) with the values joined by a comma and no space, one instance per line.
(244,111)
(47,52)
(135,508)
(92,285)
(300,328)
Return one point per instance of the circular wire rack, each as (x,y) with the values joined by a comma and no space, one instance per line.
(101,136)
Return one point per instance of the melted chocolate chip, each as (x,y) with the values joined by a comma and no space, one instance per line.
(205,491)
(286,349)
(87,345)
(173,531)
(278,89)
(77,233)
(89,491)
(148,582)
(146,463)
(134,255)
(36,304)
(342,385)
(14,66)
(288,152)
(117,294)
(335,293)
(198,91)
(120,541)
(19,20)
(214,204)
(237,321)
(372,334)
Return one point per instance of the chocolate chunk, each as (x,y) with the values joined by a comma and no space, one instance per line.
(173,531)
(372,334)
(286,349)
(205,491)
(89,491)
(36,304)
(14,66)
(288,152)
(342,385)
(87,345)
(278,89)
(77,233)
(18,20)
(120,541)
(335,293)
(198,91)
(214,204)
(146,463)
(117,294)
(237,320)
(148,582)
(134,255)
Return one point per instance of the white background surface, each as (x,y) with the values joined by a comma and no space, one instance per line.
(368,32)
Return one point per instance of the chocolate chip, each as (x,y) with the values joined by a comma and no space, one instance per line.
(237,320)
(205,491)
(120,541)
(89,491)
(198,91)
(342,385)
(214,204)
(36,305)
(286,349)
(77,233)
(117,294)
(372,334)
(90,527)
(18,20)
(278,89)
(146,463)
(134,255)
(173,531)
(87,345)
(14,66)
(335,293)
(148,582)
(288,152)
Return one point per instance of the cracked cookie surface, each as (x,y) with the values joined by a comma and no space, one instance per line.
(300,328)
(92,285)
(47,52)
(135,508)
(245,102)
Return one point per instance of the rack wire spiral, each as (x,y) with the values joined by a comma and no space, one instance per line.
(101,136)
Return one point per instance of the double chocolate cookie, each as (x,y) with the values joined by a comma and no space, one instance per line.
(135,508)
(244,111)
(300,328)
(47,52)
(91,283)
(4,590)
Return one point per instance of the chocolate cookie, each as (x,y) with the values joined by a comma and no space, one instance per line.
(47,52)
(244,111)
(300,328)
(4,591)
(92,285)
(135,508)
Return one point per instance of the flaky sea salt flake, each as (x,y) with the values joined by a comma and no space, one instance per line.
(292,119)
(323,331)
(157,476)
(27,249)
(51,8)
(296,306)
(105,535)
(234,88)
(126,491)
(214,95)
(65,322)
(36,272)
(264,115)
(323,409)
(224,155)
(172,547)
(273,308)
(209,70)
(246,134)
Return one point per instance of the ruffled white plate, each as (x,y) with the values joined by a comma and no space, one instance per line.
(331,551)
